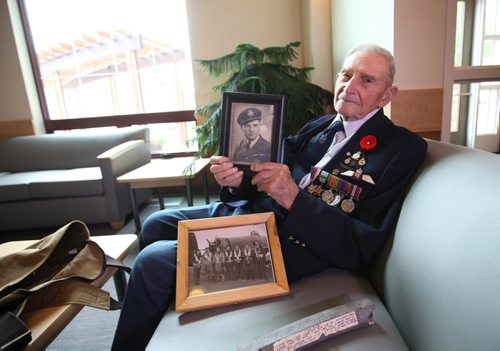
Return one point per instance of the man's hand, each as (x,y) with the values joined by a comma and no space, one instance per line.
(225,173)
(275,179)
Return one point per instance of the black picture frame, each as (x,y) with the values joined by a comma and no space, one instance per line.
(238,108)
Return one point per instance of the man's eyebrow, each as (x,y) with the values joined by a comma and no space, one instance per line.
(362,74)
(368,76)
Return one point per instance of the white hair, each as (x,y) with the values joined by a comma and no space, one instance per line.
(373,48)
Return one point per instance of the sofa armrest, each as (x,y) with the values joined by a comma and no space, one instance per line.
(113,163)
(125,157)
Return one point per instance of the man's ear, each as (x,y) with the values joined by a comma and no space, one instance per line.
(388,95)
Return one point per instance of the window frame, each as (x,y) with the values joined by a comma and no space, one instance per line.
(52,125)
(461,74)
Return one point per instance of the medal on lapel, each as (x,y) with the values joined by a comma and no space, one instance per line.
(324,135)
(354,162)
(332,129)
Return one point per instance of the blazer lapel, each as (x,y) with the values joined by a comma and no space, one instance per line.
(292,145)
(374,126)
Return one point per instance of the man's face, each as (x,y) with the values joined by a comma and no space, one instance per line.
(362,85)
(251,130)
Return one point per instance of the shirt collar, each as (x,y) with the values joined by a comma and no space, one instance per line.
(351,127)
(253,142)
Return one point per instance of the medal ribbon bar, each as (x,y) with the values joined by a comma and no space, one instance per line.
(335,183)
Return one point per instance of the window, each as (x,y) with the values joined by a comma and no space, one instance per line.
(475,76)
(477,39)
(114,62)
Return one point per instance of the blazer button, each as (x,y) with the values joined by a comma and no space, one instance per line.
(291,238)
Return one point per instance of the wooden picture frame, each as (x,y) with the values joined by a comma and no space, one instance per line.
(252,127)
(201,285)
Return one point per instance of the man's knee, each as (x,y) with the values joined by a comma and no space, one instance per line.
(155,267)
(159,255)
(161,225)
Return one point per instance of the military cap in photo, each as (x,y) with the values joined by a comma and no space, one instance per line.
(249,115)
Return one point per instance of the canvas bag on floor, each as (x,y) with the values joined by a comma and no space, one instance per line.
(55,271)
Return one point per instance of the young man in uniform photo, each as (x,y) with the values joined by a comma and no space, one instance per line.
(253,148)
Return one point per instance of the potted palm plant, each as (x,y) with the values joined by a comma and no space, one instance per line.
(261,71)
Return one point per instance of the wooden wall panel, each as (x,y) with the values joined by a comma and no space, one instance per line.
(419,110)
(16,128)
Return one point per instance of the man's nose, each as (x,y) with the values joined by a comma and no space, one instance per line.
(351,85)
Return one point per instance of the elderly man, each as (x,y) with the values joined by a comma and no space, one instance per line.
(254,148)
(336,195)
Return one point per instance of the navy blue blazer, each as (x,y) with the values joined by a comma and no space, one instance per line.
(315,235)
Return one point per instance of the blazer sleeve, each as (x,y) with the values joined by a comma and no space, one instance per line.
(246,191)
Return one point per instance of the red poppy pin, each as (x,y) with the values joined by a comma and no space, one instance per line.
(368,142)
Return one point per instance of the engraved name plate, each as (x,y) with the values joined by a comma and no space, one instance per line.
(315,328)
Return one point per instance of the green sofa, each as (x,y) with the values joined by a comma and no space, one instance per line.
(49,180)
(435,284)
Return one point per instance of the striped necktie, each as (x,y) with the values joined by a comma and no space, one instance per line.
(320,143)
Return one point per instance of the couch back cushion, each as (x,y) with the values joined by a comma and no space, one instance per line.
(62,151)
(440,273)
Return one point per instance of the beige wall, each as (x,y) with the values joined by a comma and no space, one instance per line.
(216,27)
(419,38)
(317,41)
(18,101)
(413,30)
(419,45)
(361,21)
(232,22)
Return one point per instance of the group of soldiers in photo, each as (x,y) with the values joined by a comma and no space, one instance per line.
(218,263)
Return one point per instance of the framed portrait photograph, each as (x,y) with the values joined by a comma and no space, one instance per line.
(252,127)
(228,260)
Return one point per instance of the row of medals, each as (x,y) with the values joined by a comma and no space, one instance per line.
(332,198)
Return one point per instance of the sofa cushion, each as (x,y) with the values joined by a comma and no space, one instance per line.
(51,184)
(68,183)
(14,186)
(224,328)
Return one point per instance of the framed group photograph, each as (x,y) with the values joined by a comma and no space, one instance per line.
(228,260)
(251,127)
